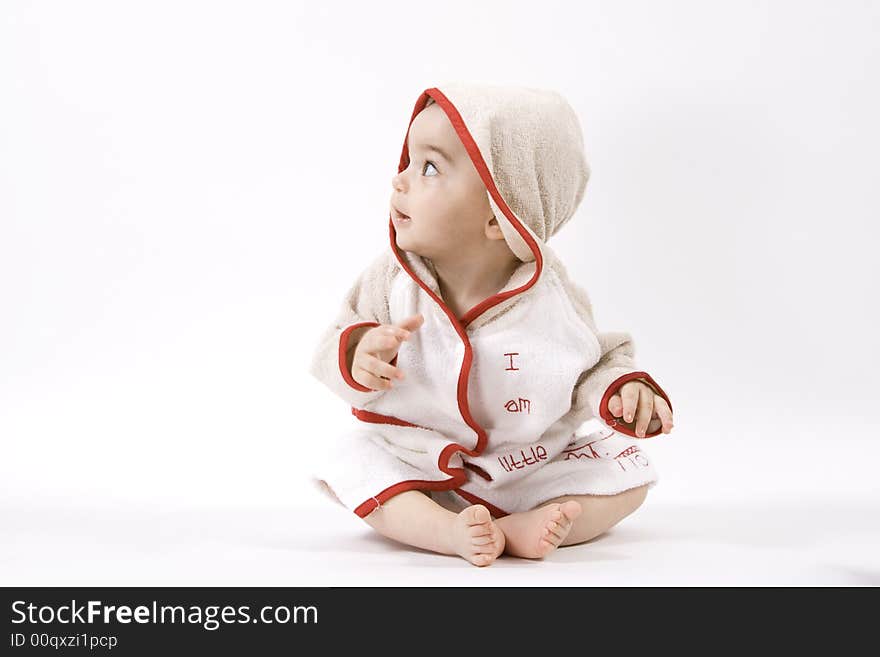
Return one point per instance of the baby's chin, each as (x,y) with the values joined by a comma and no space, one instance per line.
(405,244)
(411,246)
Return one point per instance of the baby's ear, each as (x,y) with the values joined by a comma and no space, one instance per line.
(493,230)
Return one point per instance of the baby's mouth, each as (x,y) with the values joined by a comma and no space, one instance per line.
(400,217)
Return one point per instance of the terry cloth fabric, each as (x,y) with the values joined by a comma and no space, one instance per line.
(506,406)
(531,142)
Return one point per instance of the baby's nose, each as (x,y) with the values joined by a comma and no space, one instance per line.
(397,181)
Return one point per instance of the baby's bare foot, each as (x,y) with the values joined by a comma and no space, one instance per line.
(475,537)
(536,533)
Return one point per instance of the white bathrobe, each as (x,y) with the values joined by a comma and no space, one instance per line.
(506,406)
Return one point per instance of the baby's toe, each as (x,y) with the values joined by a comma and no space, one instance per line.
(477,515)
(479,530)
(545,546)
(482,559)
(571,510)
(556,535)
(486,548)
(483,540)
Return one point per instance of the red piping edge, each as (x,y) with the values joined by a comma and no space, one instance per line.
(370,505)
(618,425)
(458,477)
(378,418)
(343,357)
(479,163)
(475,468)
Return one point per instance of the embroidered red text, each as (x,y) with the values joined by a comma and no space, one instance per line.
(510,462)
(631,457)
(518,406)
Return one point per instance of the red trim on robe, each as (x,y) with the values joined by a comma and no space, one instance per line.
(343,356)
(618,425)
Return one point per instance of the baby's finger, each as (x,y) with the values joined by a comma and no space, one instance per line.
(411,323)
(664,413)
(630,395)
(368,379)
(396,331)
(615,406)
(646,409)
(381,368)
(379,341)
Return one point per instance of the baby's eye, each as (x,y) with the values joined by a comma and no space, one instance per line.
(427,162)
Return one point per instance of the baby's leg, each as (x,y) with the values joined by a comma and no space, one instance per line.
(566,520)
(415,519)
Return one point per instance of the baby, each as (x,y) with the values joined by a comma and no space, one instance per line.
(471,361)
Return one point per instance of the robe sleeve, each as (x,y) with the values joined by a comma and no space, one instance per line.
(615,367)
(364,305)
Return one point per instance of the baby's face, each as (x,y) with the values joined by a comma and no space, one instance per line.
(440,191)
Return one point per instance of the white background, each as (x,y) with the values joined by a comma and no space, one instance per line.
(187,189)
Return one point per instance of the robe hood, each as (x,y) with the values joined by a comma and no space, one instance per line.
(528,148)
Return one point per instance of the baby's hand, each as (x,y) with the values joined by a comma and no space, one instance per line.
(651,411)
(371,365)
